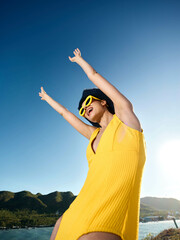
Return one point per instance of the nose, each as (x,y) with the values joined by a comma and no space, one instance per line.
(87,106)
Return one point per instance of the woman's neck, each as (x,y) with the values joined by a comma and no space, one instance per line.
(105,119)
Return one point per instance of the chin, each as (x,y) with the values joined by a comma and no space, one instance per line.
(94,116)
(93,119)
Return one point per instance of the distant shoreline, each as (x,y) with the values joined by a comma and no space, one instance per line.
(26,227)
(52,225)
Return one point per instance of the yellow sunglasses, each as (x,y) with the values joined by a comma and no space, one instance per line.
(87,102)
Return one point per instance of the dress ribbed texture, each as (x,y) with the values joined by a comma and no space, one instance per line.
(109,200)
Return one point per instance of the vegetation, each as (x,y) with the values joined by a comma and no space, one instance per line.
(168,234)
(50,203)
(23,218)
(26,209)
(146,210)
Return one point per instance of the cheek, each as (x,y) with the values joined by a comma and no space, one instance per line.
(98,106)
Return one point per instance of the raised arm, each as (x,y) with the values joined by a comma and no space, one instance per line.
(83,128)
(123,107)
(106,87)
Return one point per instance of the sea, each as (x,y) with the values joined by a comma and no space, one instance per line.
(45,233)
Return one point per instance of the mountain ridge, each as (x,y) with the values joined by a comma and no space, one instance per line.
(60,201)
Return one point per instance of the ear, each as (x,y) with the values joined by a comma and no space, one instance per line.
(103,102)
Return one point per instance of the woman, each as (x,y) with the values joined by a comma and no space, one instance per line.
(107,207)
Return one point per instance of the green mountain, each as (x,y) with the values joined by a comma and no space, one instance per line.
(60,201)
(49,203)
(26,209)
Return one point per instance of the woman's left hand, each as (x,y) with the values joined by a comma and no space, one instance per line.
(77,54)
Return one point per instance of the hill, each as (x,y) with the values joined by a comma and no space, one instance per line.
(49,203)
(26,209)
(60,201)
(167,204)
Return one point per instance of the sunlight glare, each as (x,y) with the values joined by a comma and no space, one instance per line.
(169,158)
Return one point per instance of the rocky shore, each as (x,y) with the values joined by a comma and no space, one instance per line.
(172,233)
(167,234)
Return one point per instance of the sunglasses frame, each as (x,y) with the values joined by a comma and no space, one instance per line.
(82,108)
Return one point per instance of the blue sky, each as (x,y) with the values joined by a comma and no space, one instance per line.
(133,44)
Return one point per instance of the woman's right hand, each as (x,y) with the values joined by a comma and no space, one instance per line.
(42,94)
(77,54)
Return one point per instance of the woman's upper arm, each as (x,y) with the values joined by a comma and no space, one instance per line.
(83,128)
(109,90)
(128,117)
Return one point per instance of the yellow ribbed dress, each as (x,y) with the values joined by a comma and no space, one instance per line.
(109,200)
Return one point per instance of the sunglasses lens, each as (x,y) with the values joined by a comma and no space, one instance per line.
(88,102)
(82,111)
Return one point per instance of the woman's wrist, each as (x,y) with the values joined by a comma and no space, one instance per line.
(79,59)
(47,97)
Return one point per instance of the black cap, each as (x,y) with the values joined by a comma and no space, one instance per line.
(96,92)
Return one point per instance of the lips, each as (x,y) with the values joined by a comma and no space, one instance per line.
(89,110)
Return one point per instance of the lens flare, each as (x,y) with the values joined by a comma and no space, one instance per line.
(169,158)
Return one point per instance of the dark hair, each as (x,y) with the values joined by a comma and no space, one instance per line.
(96,92)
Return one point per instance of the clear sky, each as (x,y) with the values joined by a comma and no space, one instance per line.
(133,44)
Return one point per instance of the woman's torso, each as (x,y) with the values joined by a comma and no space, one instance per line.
(96,140)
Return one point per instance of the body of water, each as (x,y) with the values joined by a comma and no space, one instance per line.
(155,227)
(45,233)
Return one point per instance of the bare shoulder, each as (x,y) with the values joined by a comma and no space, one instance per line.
(128,117)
